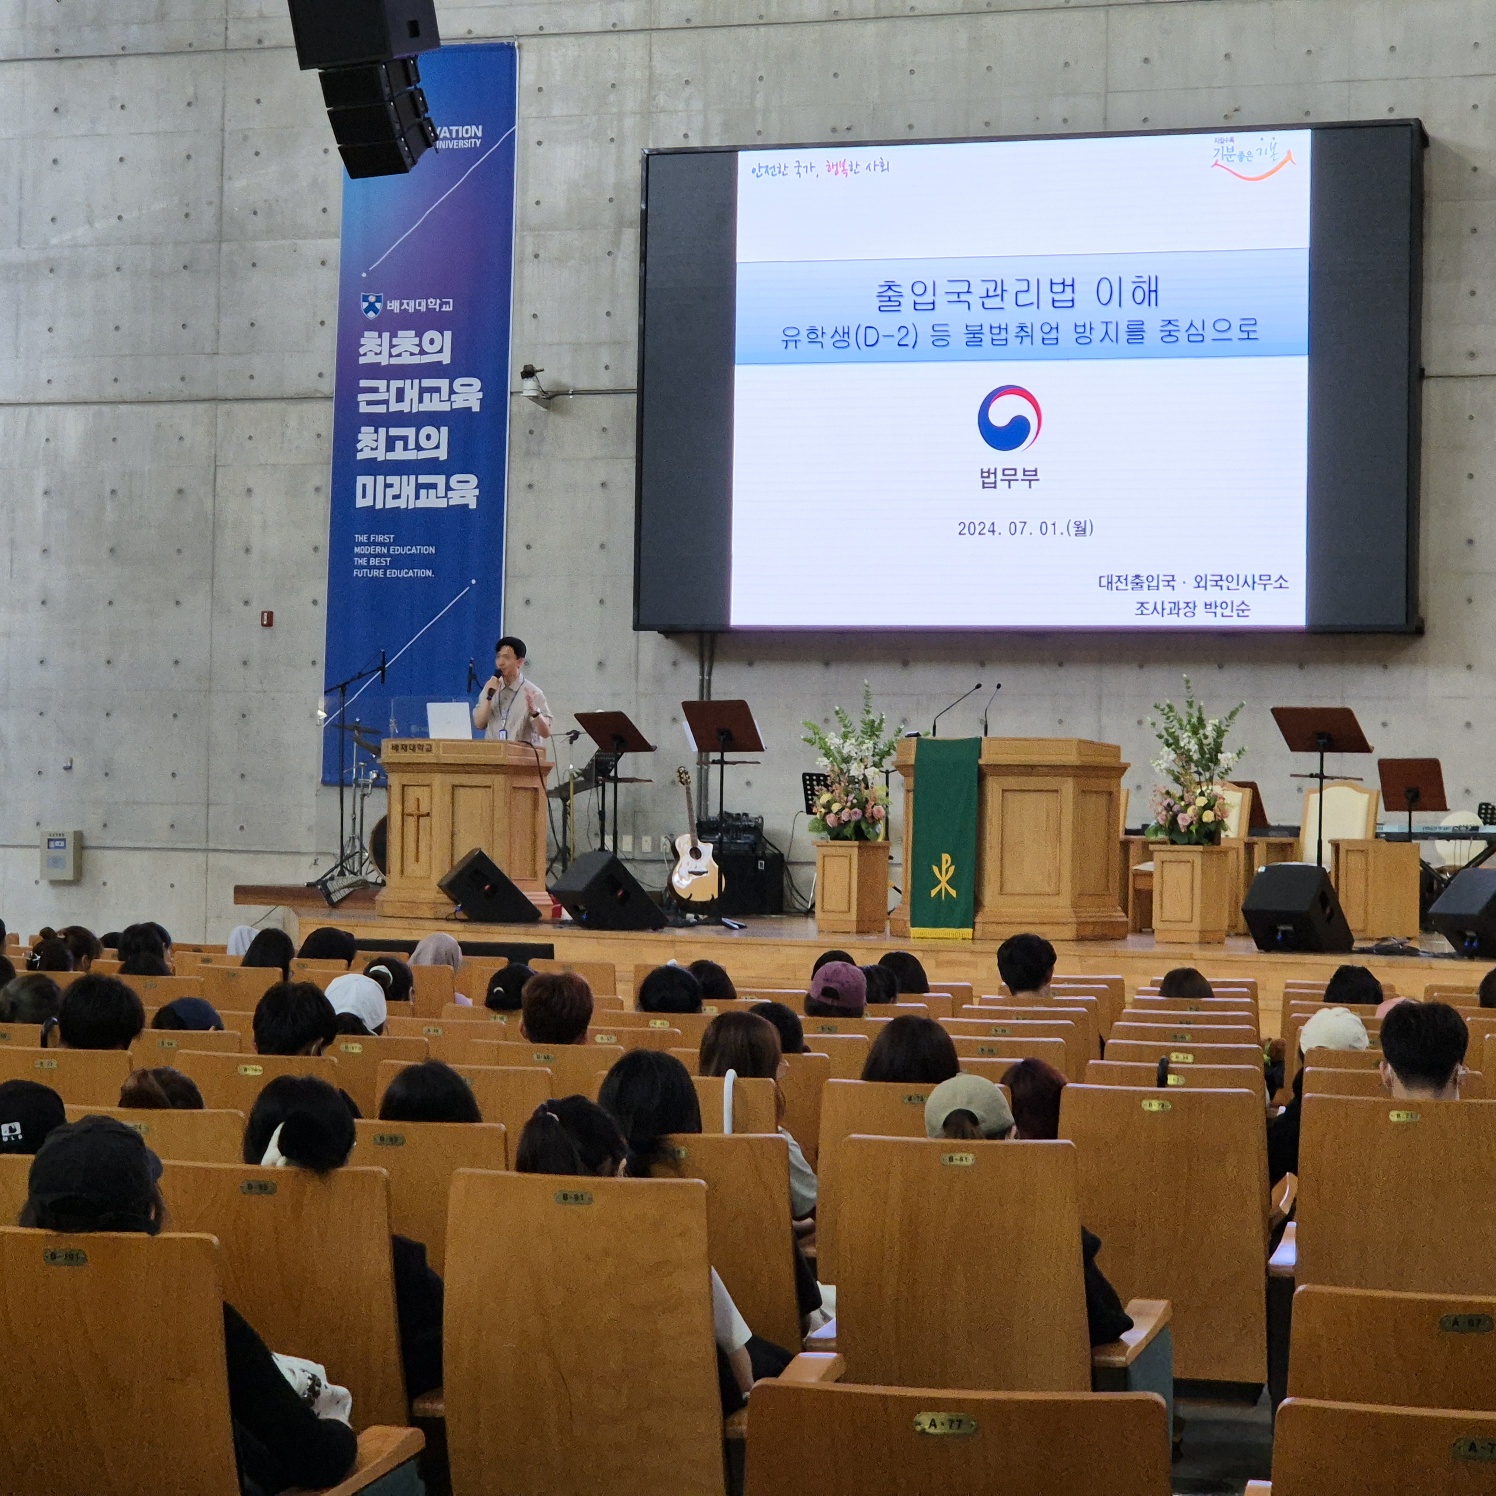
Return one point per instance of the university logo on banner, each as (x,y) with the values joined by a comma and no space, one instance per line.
(421,406)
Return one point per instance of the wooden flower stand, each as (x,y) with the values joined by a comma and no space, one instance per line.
(851,887)
(1192,893)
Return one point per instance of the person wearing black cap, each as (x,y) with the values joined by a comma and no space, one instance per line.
(98,1175)
(194,1014)
(29,1112)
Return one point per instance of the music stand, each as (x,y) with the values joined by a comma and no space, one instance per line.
(813,782)
(614,735)
(1417,783)
(1321,730)
(730,726)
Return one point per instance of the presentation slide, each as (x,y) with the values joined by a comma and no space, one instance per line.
(1036,384)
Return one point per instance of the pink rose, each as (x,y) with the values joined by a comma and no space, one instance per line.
(855,814)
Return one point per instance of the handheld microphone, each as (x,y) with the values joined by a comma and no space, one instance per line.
(934,726)
(993,697)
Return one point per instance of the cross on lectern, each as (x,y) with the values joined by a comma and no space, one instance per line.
(419,814)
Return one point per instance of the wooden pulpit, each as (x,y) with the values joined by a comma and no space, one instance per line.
(1049,809)
(449,795)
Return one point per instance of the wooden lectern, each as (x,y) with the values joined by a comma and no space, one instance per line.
(1049,809)
(449,795)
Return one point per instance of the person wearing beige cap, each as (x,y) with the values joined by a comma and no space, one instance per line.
(971,1108)
(1325,1028)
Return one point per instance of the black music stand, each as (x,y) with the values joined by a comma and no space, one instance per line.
(728,725)
(1321,730)
(1417,783)
(614,735)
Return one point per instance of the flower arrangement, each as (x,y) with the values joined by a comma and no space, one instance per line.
(854,804)
(1190,808)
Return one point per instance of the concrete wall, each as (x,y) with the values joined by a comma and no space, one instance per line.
(169,213)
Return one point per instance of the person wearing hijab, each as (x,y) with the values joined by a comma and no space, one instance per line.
(438,950)
(327,944)
(361,998)
(239,939)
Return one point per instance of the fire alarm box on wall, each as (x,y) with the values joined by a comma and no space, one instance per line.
(62,856)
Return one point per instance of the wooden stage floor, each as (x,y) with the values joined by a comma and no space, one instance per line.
(779,950)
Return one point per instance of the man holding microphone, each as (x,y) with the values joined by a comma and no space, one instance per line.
(512,708)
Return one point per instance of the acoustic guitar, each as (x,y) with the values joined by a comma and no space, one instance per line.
(696,878)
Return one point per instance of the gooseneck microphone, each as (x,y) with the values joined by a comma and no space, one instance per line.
(934,726)
(988,708)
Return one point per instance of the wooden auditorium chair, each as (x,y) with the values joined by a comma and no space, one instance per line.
(421,1158)
(359,1057)
(1184,1033)
(1357,1449)
(21,1035)
(189,1136)
(1151,1051)
(89,1077)
(1176,1188)
(1418,1350)
(306,1260)
(1059,1053)
(747,1213)
(959,1265)
(114,1346)
(754,1105)
(233,1082)
(1193,1077)
(801,1083)
(579,1350)
(237,987)
(158,1046)
(1334,1080)
(600,976)
(1079,1040)
(841,1440)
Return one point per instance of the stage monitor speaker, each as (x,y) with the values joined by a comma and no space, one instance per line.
(1465,913)
(1292,906)
(480,888)
(346,33)
(752,882)
(600,893)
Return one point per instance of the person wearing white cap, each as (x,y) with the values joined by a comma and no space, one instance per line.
(358,998)
(971,1108)
(1325,1028)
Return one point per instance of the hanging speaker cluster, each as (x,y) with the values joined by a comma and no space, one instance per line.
(365,53)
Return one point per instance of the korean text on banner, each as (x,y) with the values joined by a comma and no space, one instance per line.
(420,424)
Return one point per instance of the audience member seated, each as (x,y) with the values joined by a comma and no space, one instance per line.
(827,957)
(670,989)
(1487,989)
(837,990)
(429,1092)
(240,939)
(359,1000)
(1423,1051)
(302,1122)
(557,1008)
(1185,981)
(571,1135)
(272,948)
(28,1113)
(439,949)
(98,1175)
(328,944)
(161,1089)
(32,997)
(194,1014)
(1035,1087)
(394,976)
(506,987)
(293,1018)
(650,1096)
(882,984)
(749,1046)
(787,1024)
(145,964)
(970,1108)
(144,945)
(1352,985)
(1026,964)
(49,954)
(1325,1028)
(7,972)
(907,973)
(716,985)
(99,1013)
(912,1051)
(83,945)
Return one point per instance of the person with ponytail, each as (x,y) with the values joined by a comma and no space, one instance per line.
(302,1122)
(573,1136)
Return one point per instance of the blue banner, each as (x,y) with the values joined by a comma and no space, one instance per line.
(421,411)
